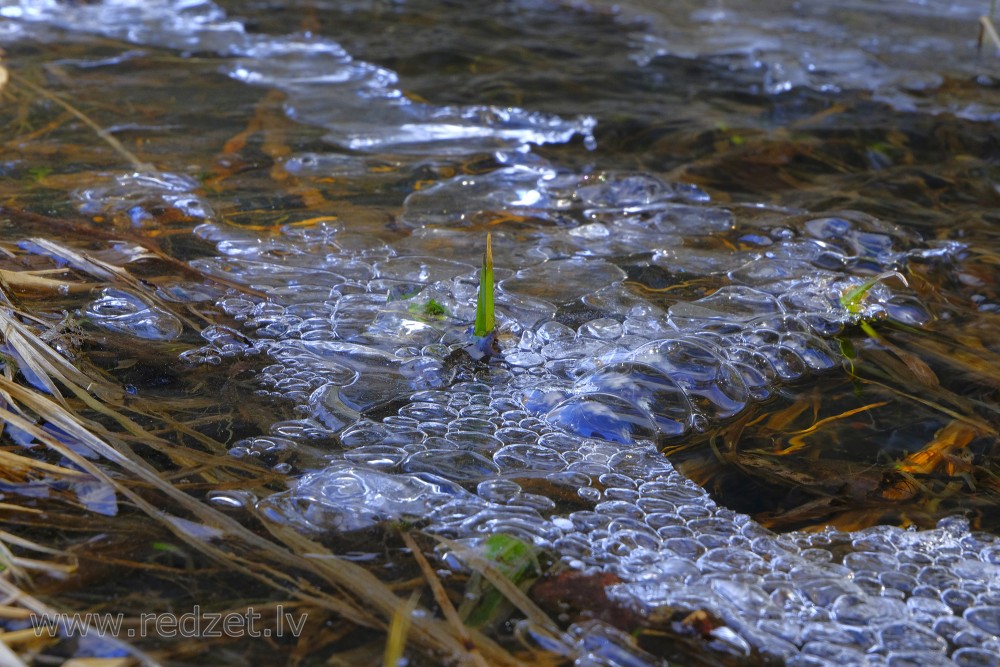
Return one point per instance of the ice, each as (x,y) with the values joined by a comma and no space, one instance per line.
(986,618)
(909,636)
(649,389)
(698,262)
(354,499)
(786,45)
(974,657)
(563,281)
(628,191)
(602,415)
(456,465)
(359,103)
(421,269)
(712,385)
(145,198)
(128,313)
(679,219)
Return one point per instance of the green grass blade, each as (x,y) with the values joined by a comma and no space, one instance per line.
(485,316)
(852,298)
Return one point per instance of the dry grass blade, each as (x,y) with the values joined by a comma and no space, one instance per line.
(12,462)
(357,596)
(426,631)
(216,524)
(45,363)
(7,538)
(969,417)
(38,609)
(3,72)
(32,282)
(19,565)
(83,229)
(108,138)
(102,270)
(398,629)
(797,439)
(48,367)
(82,262)
(509,589)
(987,29)
(441,596)
(7,656)
(286,561)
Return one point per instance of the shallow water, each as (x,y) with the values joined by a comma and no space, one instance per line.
(677,202)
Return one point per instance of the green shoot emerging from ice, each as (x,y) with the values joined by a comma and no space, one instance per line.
(853,298)
(484,341)
(517,561)
(485,317)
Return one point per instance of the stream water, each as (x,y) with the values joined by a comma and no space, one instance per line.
(678,198)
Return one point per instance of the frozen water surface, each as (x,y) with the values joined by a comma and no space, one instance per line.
(901,51)
(586,406)
(596,372)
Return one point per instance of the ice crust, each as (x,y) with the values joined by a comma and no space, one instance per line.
(581,407)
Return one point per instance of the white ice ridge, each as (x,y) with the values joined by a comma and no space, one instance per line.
(356,101)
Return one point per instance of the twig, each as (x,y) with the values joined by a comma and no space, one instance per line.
(81,228)
(986,28)
(119,148)
(447,608)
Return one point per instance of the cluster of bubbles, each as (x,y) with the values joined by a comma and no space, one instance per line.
(352,329)
(555,444)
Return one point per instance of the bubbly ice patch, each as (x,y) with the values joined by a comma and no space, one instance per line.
(126,312)
(139,198)
(873,597)
(556,444)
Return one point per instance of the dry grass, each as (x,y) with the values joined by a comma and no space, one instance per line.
(125,477)
(87,433)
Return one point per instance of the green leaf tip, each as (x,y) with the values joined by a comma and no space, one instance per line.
(512,558)
(852,298)
(485,315)
(433,308)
